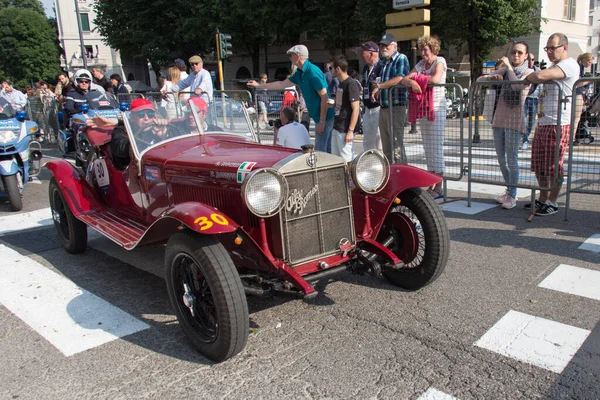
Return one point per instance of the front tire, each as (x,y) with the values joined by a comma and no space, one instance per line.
(72,233)
(419,237)
(207,295)
(11,185)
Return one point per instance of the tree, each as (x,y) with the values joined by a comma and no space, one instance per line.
(27,46)
(34,5)
(483,24)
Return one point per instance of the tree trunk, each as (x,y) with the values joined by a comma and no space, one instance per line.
(255,55)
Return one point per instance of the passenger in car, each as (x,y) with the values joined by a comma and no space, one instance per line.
(189,120)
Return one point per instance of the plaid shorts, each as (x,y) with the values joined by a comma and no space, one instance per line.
(543,150)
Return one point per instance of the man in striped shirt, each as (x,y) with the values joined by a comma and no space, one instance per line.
(395,68)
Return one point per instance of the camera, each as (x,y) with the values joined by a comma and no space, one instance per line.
(275,123)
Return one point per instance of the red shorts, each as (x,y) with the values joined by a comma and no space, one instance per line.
(543,150)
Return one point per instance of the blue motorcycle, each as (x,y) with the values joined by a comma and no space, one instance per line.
(20,154)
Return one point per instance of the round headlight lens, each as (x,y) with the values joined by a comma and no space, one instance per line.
(264,192)
(370,171)
(6,136)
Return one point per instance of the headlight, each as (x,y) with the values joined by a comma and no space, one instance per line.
(370,171)
(6,136)
(264,192)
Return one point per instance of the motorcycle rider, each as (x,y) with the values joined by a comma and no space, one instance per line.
(84,94)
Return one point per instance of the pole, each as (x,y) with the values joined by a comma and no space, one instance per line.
(221,84)
(413,47)
(83,51)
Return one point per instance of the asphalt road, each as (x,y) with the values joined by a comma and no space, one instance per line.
(360,338)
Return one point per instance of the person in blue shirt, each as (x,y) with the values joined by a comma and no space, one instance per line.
(313,85)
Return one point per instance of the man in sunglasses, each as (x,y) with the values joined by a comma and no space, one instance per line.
(561,75)
(199,81)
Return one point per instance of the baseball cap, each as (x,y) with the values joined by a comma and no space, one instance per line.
(299,49)
(200,103)
(141,104)
(195,60)
(387,39)
(179,61)
(369,46)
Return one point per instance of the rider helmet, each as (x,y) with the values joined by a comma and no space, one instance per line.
(83,74)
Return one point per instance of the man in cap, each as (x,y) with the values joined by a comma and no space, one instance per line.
(371,70)
(14,97)
(199,81)
(395,68)
(313,85)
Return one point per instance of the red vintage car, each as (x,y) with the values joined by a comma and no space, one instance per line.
(239,217)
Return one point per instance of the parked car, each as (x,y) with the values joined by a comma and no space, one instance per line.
(241,218)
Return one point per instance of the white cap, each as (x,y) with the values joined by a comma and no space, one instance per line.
(300,50)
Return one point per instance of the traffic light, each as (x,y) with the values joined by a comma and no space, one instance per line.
(225,46)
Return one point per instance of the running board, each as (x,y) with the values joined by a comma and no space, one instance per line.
(122,230)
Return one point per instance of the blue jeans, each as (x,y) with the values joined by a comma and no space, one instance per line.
(531,109)
(507,142)
(323,141)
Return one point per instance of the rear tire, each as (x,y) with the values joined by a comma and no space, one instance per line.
(11,185)
(72,233)
(207,295)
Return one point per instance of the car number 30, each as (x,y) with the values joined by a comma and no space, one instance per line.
(101,172)
(205,223)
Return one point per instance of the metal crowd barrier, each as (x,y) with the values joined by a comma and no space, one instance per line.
(44,111)
(583,174)
(487,150)
(438,144)
(267,104)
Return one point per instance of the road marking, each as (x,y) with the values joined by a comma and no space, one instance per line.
(592,244)
(461,207)
(574,280)
(69,317)
(534,340)
(434,394)
(23,221)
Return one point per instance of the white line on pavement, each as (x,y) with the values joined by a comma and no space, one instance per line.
(533,340)
(23,221)
(70,318)
(574,280)
(434,394)
(592,244)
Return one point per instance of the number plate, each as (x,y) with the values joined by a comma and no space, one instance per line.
(101,172)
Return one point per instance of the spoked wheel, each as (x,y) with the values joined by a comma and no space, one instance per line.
(416,232)
(11,185)
(207,295)
(72,233)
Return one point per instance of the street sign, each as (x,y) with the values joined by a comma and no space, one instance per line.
(489,64)
(410,32)
(399,4)
(408,17)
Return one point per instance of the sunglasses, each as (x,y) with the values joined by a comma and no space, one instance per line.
(145,113)
(194,64)
(517,52)
(83,81)
(552,48)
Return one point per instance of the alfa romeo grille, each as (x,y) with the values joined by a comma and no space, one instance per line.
(317,214)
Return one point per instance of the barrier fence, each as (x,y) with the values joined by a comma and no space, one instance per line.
(584,152)
(44,111)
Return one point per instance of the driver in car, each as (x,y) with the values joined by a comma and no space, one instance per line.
(147,128)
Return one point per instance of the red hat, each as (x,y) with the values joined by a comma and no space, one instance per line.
(200,103)
(141,104)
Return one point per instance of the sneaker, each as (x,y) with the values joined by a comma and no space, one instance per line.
(502,198)
(510,202)
(525,145)
(538,204)
(546,209)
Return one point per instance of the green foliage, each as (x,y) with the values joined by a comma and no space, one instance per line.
(27,46)
(483,24)
(35,5)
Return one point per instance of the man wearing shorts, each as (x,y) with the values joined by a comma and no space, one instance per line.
(560,76)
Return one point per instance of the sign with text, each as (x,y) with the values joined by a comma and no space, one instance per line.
(399,4)
(410,32)
(408,17)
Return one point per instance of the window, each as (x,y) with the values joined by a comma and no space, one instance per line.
(569,9)
(85,22)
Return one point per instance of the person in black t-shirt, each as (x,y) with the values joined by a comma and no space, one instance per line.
(347,109)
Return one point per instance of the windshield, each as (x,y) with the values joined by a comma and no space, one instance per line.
(6,110)
(101,101)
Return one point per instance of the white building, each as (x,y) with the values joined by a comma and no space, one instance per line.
(96,53)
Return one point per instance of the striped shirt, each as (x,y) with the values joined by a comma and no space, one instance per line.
(396,65)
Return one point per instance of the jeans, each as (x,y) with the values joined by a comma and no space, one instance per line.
(323,141)
(531,109)
(507,142)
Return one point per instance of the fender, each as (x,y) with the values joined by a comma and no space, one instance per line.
(402,177)
(9,167)
(75,189)
(201,218)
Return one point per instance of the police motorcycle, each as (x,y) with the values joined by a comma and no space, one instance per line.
(73,141)
(20,153)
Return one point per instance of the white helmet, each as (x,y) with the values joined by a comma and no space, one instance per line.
(82,74)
